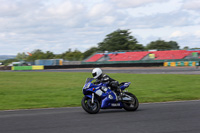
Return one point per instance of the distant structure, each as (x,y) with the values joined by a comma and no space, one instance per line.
(145,57)
(49,62)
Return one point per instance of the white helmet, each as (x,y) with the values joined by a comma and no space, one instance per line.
(96,72)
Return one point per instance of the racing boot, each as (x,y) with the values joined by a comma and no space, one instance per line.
(119,94)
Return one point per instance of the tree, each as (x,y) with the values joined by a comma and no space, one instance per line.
(186,48)
(49,55)
(161,44)
(119,40)
(39,54)
(137,47)
(76,55)
(36,54)
(21,56)
(173,44)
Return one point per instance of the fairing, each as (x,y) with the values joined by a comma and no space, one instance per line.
(108,99)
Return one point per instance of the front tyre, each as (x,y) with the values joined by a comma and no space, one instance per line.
(131,105)
(89,107)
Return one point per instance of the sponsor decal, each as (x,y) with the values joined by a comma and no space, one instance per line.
(115,104)
(99,92)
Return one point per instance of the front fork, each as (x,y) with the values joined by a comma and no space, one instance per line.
(92,98)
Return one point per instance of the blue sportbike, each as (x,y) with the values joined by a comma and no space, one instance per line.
(100,96)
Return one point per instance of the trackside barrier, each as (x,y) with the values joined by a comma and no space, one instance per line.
(165,64)
(37,67)
(173,64)
(27,67)
(181,63)
(22,68)
(168,63)
(106,65)
(186,63)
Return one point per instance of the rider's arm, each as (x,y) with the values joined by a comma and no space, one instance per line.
(105,79)
(96,82)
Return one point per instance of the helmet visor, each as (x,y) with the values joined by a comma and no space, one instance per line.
(94,74)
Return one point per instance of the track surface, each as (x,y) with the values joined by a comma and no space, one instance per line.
(161,70)
(173,117)
(136,70)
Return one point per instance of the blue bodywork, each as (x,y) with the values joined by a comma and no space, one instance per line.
(103,93)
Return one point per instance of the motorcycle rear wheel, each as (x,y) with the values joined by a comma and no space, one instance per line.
(131,106)
(89,107)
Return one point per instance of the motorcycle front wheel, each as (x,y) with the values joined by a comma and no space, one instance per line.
(89,107)
(131,105)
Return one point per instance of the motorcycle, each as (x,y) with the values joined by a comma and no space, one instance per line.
(101,96)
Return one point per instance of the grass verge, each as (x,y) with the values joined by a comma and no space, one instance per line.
(25,90)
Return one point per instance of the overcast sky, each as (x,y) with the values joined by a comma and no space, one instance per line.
(57,25)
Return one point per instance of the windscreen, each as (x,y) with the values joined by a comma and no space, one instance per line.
(88,80)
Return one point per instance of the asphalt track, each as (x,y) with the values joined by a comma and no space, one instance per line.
(172,117)
(143,70)
(133,70)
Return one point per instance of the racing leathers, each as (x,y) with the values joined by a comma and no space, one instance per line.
(113,84)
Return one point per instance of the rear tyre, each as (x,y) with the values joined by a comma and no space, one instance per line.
(131,105)
(89,107)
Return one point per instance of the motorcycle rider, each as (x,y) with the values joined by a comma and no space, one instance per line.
(103,78)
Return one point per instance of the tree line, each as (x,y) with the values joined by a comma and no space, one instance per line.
(115,41)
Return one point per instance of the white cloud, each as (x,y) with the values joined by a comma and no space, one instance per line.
(134,3)
(99,10)
(104,21)
(186,37)
(192,5)
(173,19)
(178,34)
(155,8)
(58,25)
(66,9)
(197,33)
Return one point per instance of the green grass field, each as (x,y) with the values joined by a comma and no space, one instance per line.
(25,90)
